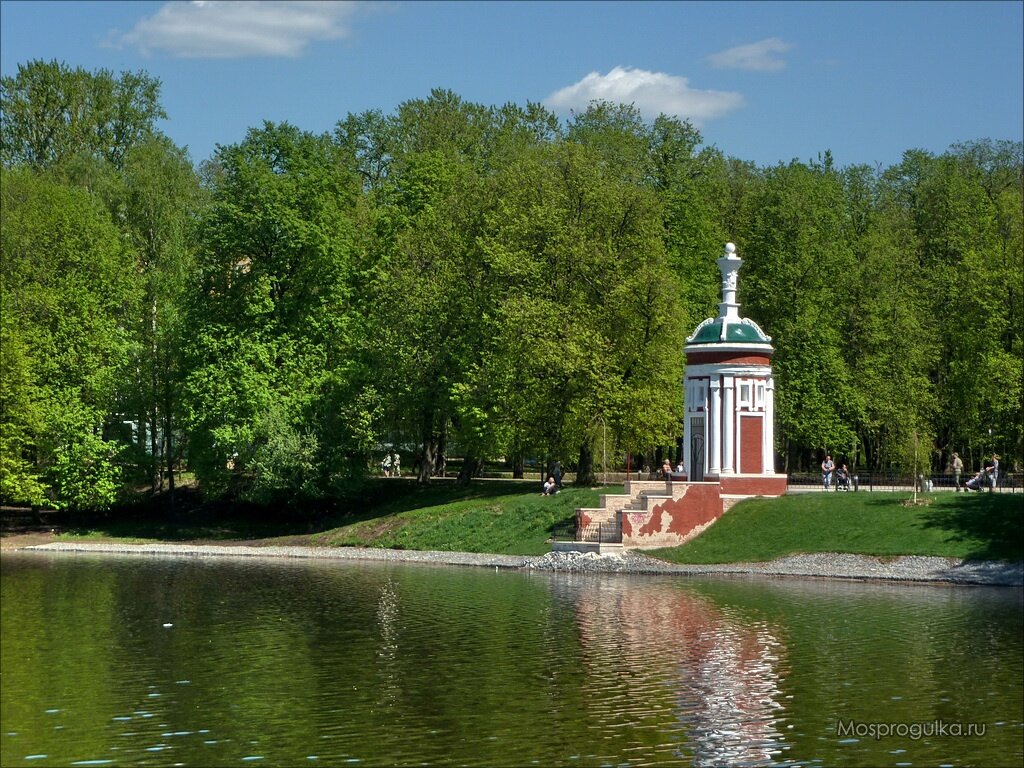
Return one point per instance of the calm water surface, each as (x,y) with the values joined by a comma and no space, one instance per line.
(211,662)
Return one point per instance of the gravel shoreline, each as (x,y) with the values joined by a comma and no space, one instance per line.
(820,565)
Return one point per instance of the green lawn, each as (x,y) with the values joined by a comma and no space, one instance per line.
(978,525)
(512,518)
(509,517)
(497,517)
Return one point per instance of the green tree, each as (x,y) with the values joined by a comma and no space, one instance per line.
(887,328)
(159,201)
(68,285)
(967,220)
(52,113)
(797,260)
(274,322)
(430,307)
(692,187)
(430,289)
(586,330)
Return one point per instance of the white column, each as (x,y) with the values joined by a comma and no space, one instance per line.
(728,423)
(713,442)
(687,431)
(768,433)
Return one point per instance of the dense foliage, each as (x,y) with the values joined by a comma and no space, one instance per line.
(483,282)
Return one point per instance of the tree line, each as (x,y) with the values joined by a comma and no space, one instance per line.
(483,282)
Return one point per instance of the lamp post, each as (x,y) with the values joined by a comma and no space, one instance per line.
(604,450)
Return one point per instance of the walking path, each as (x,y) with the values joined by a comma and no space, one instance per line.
(819,565)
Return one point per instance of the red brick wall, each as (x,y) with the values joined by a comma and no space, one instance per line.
(766,485)
(737,358)
(750,445)
(672,522)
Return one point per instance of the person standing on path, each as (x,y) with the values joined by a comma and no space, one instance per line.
(827,468)
(993,478)
(958,467)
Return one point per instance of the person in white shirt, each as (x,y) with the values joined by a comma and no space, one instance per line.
(827,468)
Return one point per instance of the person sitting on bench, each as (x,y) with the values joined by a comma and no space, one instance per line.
(842,478)
(974,484)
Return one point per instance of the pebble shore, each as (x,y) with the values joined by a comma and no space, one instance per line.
(819,565)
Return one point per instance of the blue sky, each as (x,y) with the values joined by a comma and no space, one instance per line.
(763,81)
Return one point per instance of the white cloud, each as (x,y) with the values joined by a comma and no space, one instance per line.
(762,56)
(214,29)
(652,93)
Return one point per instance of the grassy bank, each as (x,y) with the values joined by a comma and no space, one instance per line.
(495,516)
(977,525)
(508,517)
(500,517)
(516,520)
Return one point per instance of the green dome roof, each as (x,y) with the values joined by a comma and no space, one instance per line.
(743,331)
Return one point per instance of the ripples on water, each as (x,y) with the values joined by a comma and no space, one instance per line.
(132,661)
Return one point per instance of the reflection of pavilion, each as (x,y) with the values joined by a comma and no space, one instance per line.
(726,672)
(738,689)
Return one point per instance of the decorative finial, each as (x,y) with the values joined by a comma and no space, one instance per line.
(729,264)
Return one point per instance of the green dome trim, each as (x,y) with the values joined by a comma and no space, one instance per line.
(743,331)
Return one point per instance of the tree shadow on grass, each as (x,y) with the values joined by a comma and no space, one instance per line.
(994,519)
(191,517)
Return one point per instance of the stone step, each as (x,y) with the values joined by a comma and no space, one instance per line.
(610,532)
(646,501)
(599,514)
(677,489)
(605,522)
(615,501)
(636,487)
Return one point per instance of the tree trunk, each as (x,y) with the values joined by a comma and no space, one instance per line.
(441,457)
(156,465)
(427,458)
(471,467)
(169,455)
(428,453)
(434,460)
(585,476)
(518,471)
(155,476)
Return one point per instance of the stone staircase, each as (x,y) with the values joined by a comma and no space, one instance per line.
(603,525)
(650,514)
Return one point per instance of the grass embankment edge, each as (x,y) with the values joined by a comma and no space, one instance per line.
(503,517)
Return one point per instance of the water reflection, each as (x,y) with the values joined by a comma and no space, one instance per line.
(387,621)
(887,653)
(214,662)
(723,673)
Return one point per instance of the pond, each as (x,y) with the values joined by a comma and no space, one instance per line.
(138,660)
